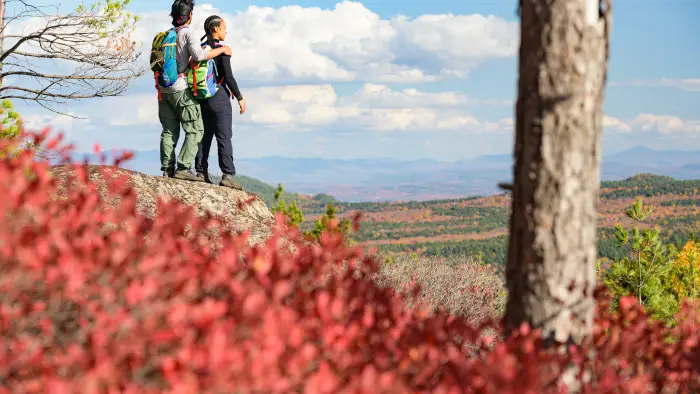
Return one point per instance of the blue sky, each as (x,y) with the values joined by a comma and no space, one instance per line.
(391,79)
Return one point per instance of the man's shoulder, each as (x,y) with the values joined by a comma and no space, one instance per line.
(185,31)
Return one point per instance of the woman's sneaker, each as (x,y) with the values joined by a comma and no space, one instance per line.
(228,181)
(204,176)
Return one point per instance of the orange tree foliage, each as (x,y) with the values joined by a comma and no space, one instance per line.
(95,298)
(685,273)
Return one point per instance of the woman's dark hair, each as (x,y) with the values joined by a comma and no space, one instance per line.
(210,24)
(180,11)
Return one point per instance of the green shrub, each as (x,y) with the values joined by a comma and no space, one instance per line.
(654,272)
(295,217)
(293,213)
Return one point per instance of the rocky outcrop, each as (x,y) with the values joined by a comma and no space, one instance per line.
(220,201)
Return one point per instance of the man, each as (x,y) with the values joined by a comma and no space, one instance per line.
(177,105)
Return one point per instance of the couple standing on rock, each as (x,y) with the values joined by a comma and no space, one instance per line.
(195,85)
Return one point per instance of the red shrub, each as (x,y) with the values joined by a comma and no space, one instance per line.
(88,304)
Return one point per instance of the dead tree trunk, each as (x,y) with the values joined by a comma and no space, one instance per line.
(550,270)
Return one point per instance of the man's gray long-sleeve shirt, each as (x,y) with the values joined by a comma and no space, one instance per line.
(188,46)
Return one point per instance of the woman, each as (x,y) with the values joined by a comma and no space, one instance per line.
(217,112)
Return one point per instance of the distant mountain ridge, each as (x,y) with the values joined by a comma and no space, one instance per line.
(386,179)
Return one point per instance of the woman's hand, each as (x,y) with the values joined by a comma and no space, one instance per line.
(241,103)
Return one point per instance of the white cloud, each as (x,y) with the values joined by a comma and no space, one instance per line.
(505,124)
(135,110)
(302,107)
(294,106)
(687,84)
(300,51)
(57,123)
(665,124)
(495,103)
(615,124)
(383,119)
(349,43)
(453,44)
(375,95)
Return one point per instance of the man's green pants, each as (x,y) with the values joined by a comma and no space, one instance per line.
(173,110)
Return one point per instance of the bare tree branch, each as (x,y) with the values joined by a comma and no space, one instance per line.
(52,76)
(28,11)
(70,96)
(86,53)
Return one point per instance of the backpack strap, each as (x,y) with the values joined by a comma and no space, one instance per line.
(216,69)
(160,95)
(194,79)
(177,41)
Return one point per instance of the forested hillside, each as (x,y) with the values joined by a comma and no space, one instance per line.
(267,192)
(478,226)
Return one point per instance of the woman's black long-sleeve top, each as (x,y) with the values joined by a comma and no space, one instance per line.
(223,68)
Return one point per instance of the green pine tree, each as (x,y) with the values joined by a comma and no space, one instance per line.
(295,216)
(323,224)
(645,272)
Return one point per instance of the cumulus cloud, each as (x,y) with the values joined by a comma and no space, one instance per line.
(59,123)
(137,110)
(297,53)
(452,44)
(302,107)
(350,43)
(295,106)
(376,95)
(665,124)
(615,124)
(505,124)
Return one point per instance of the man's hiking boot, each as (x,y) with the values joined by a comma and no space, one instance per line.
(168,173)
(186,175)
(227,180)
(204,176)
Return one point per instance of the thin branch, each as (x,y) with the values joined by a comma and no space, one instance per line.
(44,92)
(62,77)
(56,56)
(98,45)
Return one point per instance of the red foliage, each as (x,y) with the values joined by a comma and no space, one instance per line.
(98,299)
